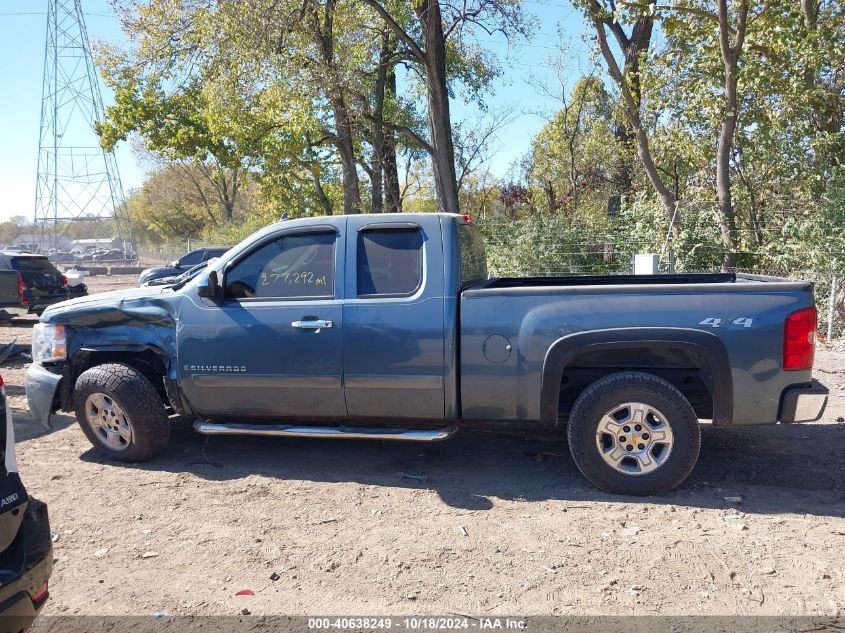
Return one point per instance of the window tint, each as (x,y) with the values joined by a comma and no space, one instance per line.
(389,261)
(192,259)
(473,257)
(291,266)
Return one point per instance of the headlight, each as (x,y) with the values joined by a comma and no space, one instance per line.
(48,342)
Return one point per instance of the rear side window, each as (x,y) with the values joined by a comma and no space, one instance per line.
(473,257)
(390,262)
(32,265)
(293,266)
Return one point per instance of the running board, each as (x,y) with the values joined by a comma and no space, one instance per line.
(344,432)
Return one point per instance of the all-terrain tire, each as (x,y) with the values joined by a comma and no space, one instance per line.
(139,402)
(613,391)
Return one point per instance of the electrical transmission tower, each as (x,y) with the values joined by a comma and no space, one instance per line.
(77,179)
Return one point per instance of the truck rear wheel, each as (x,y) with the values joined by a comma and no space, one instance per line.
(121,413)
(634,433)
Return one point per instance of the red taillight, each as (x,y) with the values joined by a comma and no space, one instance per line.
(64,281)
(21,289)
(41,595)
(799,339)
(1,381)
(467,218)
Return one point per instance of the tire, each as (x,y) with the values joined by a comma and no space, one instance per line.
(598,422)
(138,408)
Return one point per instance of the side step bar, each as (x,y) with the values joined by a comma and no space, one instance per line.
(345,432)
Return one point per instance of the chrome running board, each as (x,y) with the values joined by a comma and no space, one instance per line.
(344,432)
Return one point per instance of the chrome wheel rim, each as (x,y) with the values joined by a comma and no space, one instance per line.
(634,438)
(108,421)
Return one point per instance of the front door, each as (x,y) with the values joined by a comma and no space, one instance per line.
(272,346)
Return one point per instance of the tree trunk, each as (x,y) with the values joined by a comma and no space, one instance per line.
(730,61)
(343,137)
(440,124)
(391,167)
(346,151)
(377,166)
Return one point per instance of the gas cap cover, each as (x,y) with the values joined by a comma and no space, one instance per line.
(496,348)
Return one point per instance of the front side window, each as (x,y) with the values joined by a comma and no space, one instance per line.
(390,262)
(292,266)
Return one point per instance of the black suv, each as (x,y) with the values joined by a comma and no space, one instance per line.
(26,549)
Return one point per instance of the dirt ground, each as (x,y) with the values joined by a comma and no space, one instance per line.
(489,523)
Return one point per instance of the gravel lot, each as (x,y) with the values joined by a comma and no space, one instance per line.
(496,524)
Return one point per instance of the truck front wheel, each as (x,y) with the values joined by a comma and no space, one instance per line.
(634,433)
(121,413)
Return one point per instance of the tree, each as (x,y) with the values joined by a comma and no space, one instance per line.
(427,38)
(731,53)
(576,155)
(628,79)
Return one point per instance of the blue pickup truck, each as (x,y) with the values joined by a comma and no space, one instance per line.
(388,327)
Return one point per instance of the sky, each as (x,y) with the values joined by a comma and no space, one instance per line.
(22,37)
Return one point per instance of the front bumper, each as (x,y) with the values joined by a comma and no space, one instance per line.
(30,559)
(805,403)
(41,386)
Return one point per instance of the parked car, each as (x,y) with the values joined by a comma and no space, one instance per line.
(181,265)
(26,549)
(387,327)
(188,274)
(40,284)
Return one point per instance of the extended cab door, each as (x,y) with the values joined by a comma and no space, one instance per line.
(271,347)
(393,319)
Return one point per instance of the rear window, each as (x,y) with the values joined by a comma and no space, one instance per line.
(473,257)
(193,258)
(390,262)
(32,265)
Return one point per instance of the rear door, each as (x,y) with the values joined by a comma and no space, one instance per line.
(272,346)
(393,342)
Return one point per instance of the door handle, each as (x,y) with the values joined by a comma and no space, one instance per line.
(315,324)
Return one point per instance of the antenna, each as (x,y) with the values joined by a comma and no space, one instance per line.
(77,179)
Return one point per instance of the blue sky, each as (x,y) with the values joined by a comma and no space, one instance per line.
(22,34)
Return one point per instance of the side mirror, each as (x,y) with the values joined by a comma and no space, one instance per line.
(209,288)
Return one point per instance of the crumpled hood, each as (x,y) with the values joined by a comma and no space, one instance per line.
(104,307)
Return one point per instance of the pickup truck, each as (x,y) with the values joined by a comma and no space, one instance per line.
(388,327)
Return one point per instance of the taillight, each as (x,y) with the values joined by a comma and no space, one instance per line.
(21,290)
(799,339)
(64,281)
(1,381)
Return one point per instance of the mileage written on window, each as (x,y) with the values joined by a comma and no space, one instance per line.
(292,266)
(305,278)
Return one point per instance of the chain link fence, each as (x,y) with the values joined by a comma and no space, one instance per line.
(550,246)
(163,254)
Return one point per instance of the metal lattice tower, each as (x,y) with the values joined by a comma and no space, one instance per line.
(77,179)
